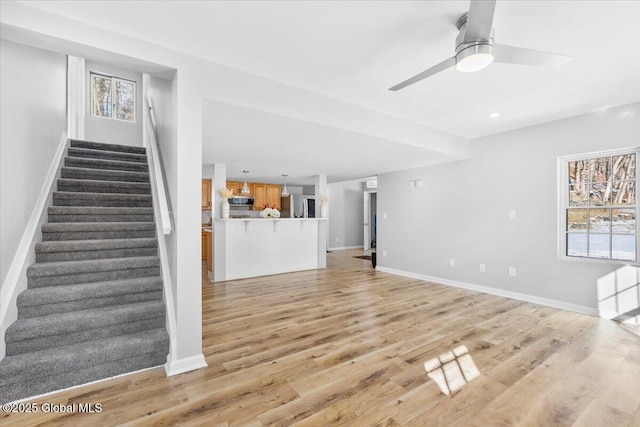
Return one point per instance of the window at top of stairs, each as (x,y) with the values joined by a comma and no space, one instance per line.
(113,97)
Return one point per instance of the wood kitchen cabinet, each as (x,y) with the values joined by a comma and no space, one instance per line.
(208,242)
(273,196)
(206,194)
(266,195)
(260,195)
(204,246)
(237,188)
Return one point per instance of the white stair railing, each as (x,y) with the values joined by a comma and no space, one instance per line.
(163,226)
(163,204)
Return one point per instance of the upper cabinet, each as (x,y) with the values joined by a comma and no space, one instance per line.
(264,194)
(273,196)
(206,194)
(260,194)
(235,187)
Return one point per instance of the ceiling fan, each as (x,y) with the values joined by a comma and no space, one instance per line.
(476,49)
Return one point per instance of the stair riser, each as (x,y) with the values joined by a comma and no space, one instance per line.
(26,312)
(100,187)
(86,163)
(106,155)
(55,341)
(96,235)
(28,368)
(72,279)
(107,203)
(100,218)
(17,388)
(104,175)
(101,254)
(107,147)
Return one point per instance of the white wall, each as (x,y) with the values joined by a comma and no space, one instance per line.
(33,117)
(101,129)
(461,212)
(162,94)
(346,214)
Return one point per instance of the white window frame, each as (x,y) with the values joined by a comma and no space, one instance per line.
(563,204)
(114,79)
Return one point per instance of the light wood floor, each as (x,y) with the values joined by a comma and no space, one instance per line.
(346,346)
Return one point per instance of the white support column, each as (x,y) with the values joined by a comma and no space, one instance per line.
(322,190)
(321,186)
(323,238)
(75,97)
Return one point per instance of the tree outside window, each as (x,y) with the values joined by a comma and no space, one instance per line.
(601,207)
(112,97)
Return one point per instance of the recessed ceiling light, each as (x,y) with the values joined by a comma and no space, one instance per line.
(494,115)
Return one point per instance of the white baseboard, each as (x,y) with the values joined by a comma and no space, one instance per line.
(180,366)
(493,291)
(342,248)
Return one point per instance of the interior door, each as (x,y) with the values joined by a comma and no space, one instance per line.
(367,216)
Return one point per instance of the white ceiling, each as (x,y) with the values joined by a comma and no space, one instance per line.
(355,50)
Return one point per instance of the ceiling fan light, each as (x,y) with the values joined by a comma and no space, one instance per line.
(474,58)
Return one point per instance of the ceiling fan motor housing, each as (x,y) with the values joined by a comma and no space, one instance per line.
(473,48)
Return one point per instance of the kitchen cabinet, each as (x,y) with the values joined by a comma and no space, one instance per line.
(204,245)
(273,196)
(260,195)
(237,188)
(208,242)
(206,194)
(266,195)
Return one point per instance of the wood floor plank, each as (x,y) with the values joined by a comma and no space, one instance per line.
(599,414)
(346,346)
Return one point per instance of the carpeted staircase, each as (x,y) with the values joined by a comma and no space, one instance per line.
(94,307)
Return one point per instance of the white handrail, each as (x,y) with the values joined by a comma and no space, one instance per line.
(161,209)
(165,218)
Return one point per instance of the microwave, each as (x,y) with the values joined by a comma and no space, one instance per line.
(241,201)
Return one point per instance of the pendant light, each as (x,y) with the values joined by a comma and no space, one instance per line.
(285,192)
(245,188)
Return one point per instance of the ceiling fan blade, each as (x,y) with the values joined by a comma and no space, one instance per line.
(447,63)
(479,20)
(519,55)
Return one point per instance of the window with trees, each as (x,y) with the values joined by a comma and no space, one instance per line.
(113,97)
(601,207)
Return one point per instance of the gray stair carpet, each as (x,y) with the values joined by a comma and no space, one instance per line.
(94,305)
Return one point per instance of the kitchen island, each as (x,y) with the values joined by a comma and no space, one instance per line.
(251,247)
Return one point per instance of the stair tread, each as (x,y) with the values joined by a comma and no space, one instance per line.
(26,366)
(75,321)
(104,164)
(88,195)
(58,227)
(60,268)
(97,182)
(94,245)
(80,143)
(67,293)
(112,172)
(105,154)
(99,210)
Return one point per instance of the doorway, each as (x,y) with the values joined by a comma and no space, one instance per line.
(370,220)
